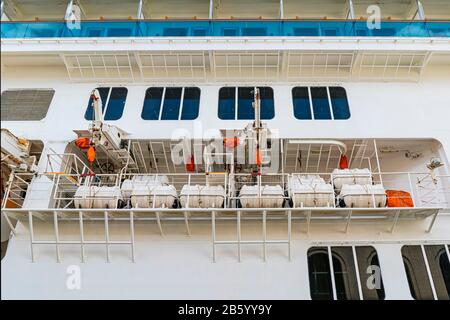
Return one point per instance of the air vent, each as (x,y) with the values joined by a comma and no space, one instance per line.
(25,104)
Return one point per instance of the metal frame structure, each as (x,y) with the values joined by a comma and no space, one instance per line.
(204,66)
(98,66)
(187,215)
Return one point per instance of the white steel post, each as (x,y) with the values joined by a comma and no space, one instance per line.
(264,235)
(213,230)
(80,216)
(211,9)
(139,12)
(349,218)
(358,279)
(333,282)
(107,235)
(351,10)
(289,235)
(378,161)
(427,265)
(132,235)
(397,215)
(239,234)
(281,9)
(420,11)
(30,226)
(55,225)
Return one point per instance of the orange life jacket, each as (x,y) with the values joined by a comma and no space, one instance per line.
(91,154)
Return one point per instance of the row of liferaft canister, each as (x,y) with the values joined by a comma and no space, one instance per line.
(149,191)
(353,188)
(356,190)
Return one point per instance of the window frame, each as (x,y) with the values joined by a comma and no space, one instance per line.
(311,107)
(236,103)
(426,262)
(181,107)
(105,105)
(328,250)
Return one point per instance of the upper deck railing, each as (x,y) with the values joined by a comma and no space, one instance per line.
(224,28)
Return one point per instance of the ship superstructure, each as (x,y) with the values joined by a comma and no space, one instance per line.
(226,149)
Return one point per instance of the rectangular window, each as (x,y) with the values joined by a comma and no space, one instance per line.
(321,106)
(428,271)
(25,104)
(171,100)
(227,103)
(344,273)
(113,103)
(171,105)
(116,103)
(314,103)
(339,103)
(152,103)
(191,102)
(302,107)
(245,98)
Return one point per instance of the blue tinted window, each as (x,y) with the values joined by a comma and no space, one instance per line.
(306,31)
(94,32)
(245,100)
(89,114)
(383,32)
(245,111)
(227,32)
(254,32)
(321,107)
(152,103)
(119,32)
(300,99)
(227,105)
(175,32)
(199,32)
(171,105)
(267,104)
(339,103)
(116,103)
(191,102)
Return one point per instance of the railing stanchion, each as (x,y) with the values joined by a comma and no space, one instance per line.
(132,235)
(55,225)
(30,226)
(264,216)
(213,230)
(290,235)
(107,235)
(239,234)
(80,216)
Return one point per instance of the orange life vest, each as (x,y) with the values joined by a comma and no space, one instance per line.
(91,154)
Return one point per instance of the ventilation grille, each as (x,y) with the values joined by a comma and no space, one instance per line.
(25,105)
